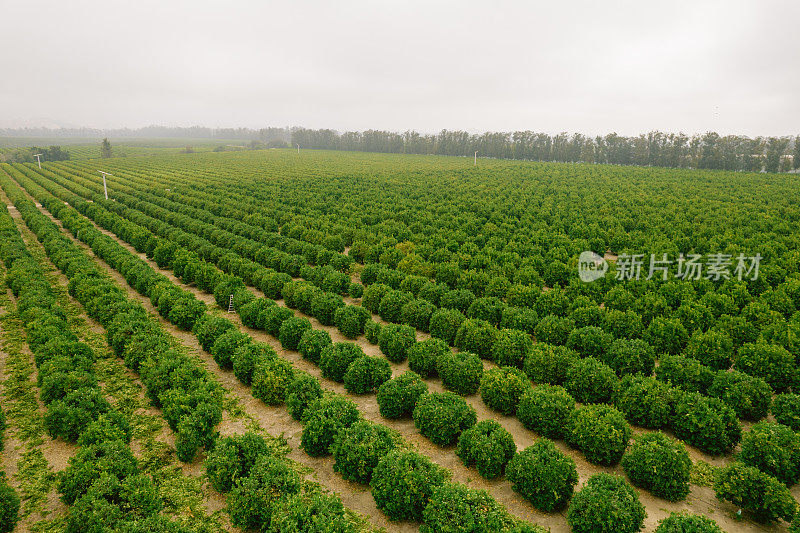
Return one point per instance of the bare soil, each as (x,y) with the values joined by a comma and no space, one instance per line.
(702,500)
(275,420)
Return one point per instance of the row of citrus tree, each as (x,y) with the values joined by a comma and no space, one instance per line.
(285,334)
(271,377)
(190,400)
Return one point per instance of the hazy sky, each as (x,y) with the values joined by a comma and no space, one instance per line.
(594,67)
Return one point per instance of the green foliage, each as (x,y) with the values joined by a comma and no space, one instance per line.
(56,383)
(322,420)
(336,358)
(311,513)
(372,331)
(273,317)
(252,502)
(520,318)
(226,287)
(110,458)
(366,374)
(292,330)
(666,336)
(324,306)
(110,501)
(403,483)
(774,449)
(248,357)
(392,305)
(706,423)
(109,426)
(476,336)
(502,388)
(553,329)
(543,475)
(712,348)
(226,346)
(646,402)
(3,426)
(545,409)
(606,503)
(312,343)
(786,408)
(105,149)
(588,314)
(590,381)
(454,507)
(489,309)
(459,299)
(589,341)
(685,373)
(398,396)
(759,493)
(659,464)
(461,372)
(442,417)
(687,523)
(622,324)
(358,449)
(417,314)
(600,432)
(68,417)
(748,396)
(356,290)
(432,292)
(630,356)
(511,347)
(445,323)
(395,340)
(232,459)
(271,379)
(703,474)
(773,363)
(549,364)
(9,506)
(208,329)
(351,320)
(373,295)
(303,390)
(488,446)
(422,356)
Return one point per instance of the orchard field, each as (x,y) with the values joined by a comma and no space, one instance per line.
(341,341)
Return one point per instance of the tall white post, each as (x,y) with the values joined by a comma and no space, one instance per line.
(105,189)
(38,158)
(298,148)
(476,157)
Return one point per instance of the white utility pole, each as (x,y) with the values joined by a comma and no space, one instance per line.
(105,189)
(38,158)
(476,157)
(298,148)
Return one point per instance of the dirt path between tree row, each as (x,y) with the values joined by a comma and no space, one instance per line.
(702,500)
(275,420)
(58,452)
(39,456)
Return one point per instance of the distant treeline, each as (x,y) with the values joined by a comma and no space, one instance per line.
(28,155)
(149,132)
(711,151)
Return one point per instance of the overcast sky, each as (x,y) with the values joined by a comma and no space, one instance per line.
(595,67)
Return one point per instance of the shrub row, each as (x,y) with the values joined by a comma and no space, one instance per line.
(265,491)
(103,474)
